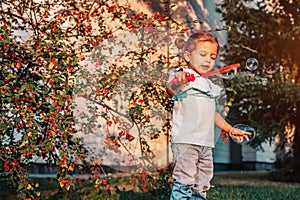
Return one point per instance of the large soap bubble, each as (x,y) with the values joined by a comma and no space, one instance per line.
(251,64)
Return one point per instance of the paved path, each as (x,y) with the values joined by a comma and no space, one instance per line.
(122,174)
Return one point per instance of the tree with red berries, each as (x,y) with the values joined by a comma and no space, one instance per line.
(45,47)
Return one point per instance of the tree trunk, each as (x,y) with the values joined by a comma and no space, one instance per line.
(296,165)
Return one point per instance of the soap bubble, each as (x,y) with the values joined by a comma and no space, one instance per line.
(251,64)
(240,139)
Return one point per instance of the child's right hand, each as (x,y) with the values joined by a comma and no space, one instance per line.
(180,77)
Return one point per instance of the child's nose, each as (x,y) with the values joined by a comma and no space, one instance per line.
(208,59)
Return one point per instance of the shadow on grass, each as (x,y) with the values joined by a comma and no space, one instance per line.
(228,186)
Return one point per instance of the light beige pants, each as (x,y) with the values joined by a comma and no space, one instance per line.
(193,166)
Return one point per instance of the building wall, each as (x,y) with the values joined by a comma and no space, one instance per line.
(268,154)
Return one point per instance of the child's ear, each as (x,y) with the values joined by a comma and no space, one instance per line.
(180,42)
(187,56)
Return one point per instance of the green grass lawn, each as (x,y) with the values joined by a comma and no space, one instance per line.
(237,186)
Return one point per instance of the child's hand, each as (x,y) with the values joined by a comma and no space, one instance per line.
(181,77)
(239,135)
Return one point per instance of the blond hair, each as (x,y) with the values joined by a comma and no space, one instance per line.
(200,36)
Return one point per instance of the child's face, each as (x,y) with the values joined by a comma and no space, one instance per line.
(203,58)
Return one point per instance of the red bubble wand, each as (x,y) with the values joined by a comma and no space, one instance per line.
(222,70)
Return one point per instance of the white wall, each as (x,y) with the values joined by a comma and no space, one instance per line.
(221,153)
(266,156)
